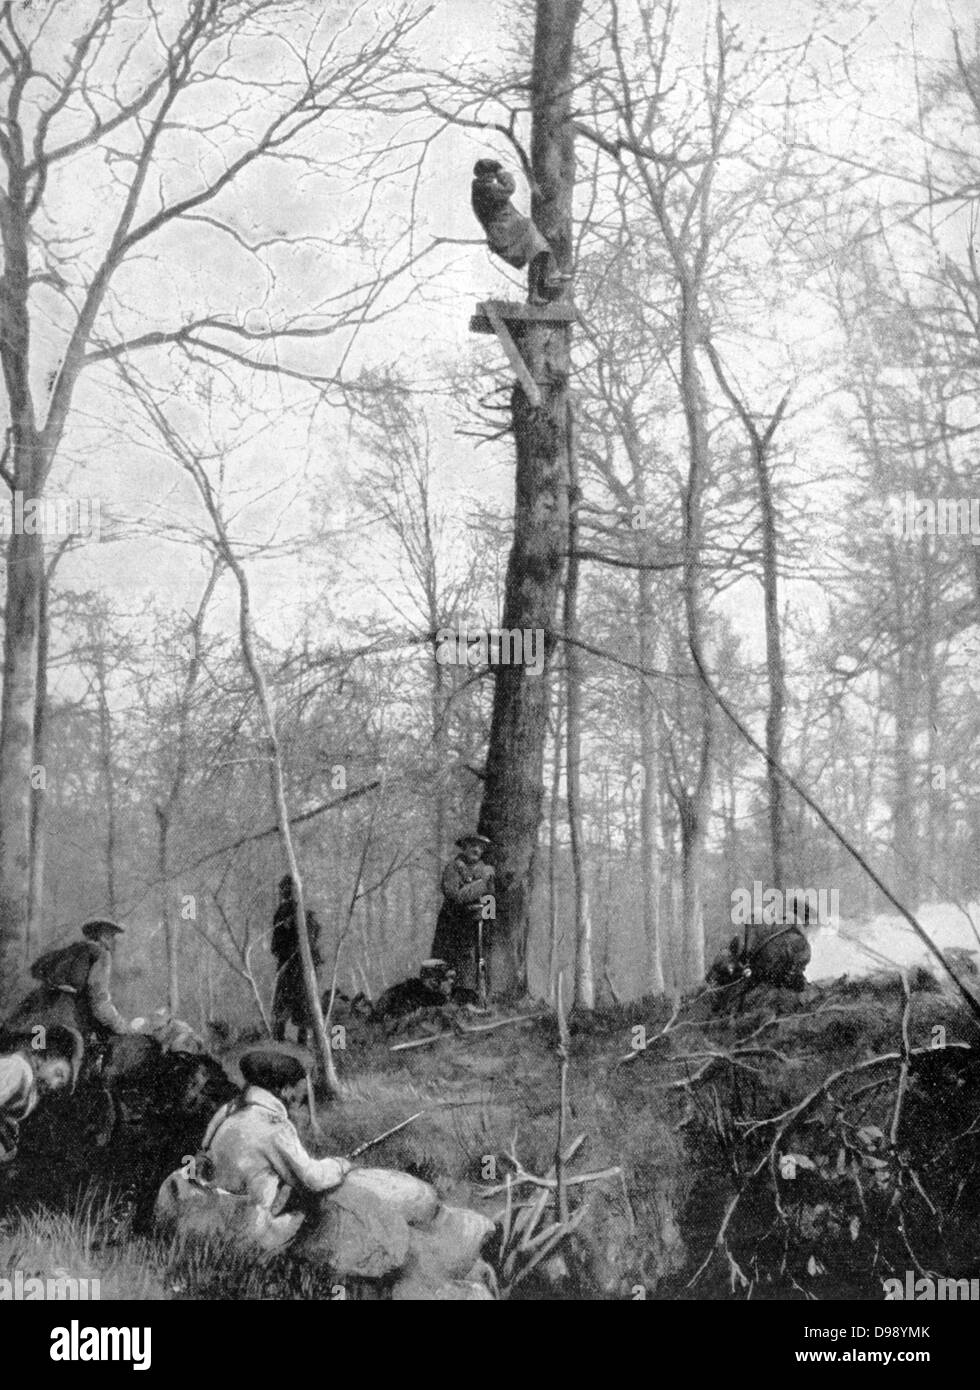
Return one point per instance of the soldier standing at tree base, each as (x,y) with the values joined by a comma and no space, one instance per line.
(463,931)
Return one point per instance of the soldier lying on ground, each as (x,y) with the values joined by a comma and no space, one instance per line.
(433,988)
(28,1073)
(345,1006)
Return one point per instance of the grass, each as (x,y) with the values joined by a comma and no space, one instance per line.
(85,1241)
(487,1095)
(481,1096)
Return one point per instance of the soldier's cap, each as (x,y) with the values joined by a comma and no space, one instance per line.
(465,840)
(436,966)
(233,1058)
(486,166)
(287,882)
(272,1070)
(95,926)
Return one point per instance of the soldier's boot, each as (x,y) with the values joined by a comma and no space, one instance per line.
(545,281)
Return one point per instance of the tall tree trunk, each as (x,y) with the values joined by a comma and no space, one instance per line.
(905,840)
(555,934)
(759,445)
(24,470)
(25,578)
(513,791)
(170,933)
(584,994)
(440,746)
(864,820)
(278,780)
(35,894)
(108,778)
(775,669)
(277,775)
(694,829)
(695,807)
(649,791)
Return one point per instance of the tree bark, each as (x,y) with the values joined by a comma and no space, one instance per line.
(105,766)
(584,992)
(35,887)
(775,667)
(556,936)
(25,577)
(695,807)
(649,792)
(24,560)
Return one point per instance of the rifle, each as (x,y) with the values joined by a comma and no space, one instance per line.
(481,965)
(370,1143)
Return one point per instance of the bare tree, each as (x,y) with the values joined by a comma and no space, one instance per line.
(136,104)
(165,807)
(399,487)
(760,445)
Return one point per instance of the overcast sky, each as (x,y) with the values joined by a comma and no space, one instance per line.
(137,481)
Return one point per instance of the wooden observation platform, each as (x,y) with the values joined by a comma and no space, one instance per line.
(498,315)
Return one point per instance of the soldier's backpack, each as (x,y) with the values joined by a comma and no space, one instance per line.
(66,967)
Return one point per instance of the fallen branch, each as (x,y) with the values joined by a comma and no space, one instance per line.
(508,1181)
(463,1028)
(709,1059)
(500,1023)
(422,1042)
(551,1184)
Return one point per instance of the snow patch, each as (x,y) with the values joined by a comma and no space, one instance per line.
(857,948)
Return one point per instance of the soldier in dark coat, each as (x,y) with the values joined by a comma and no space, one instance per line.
(510,235)
(771,954)
(289,1000)
(75,988)
(466,881)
